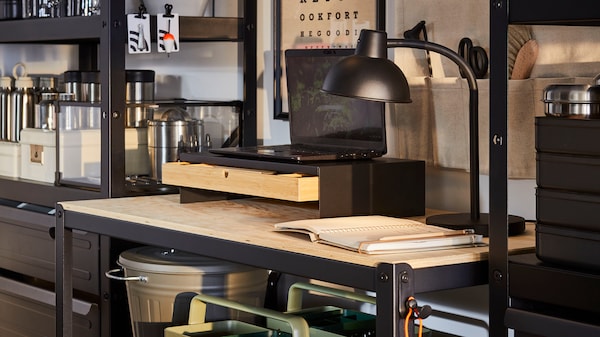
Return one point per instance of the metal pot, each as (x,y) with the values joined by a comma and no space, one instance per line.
(168,138)
(580,101)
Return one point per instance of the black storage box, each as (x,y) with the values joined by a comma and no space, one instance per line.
(550,300)
(565,208)
(535,281)
(568,172)
(568,193)
(565,135)
(567,246)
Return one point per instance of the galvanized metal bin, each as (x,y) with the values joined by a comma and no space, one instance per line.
(156,275)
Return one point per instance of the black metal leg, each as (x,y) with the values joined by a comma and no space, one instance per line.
(393,286)
(64,281)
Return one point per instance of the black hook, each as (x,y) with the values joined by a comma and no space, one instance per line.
(168,9)
(141,10)
(415,32)
(420,312)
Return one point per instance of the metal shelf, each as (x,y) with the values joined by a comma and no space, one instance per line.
(43,194)
(207,29)
(52,30)
(579,12)
(102,43)
(60,30)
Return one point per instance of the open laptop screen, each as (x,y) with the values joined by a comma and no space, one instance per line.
(323,119)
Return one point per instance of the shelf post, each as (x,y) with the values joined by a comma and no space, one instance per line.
(394,284)
(64,267)
(498,227)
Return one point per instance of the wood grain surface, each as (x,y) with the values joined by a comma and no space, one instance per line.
(251,221)
(259,183)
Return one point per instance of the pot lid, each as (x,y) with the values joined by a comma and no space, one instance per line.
(572,93)
(175,114)
(72,76)
(167,260)
(139,76)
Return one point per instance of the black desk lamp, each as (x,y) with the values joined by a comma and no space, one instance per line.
(370,75)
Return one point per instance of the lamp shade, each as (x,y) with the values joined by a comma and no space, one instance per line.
(368,74)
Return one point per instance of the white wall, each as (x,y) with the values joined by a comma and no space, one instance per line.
(38,59)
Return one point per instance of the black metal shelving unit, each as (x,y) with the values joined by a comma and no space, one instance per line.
(502,14)
(101,41)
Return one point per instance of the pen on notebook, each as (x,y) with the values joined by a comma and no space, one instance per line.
(427,235)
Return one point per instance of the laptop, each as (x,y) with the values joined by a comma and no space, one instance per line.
(322,126)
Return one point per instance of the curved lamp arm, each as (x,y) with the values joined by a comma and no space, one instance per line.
(473,109)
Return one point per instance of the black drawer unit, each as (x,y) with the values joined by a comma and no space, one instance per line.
(550,300)
(30,311)
(27,246)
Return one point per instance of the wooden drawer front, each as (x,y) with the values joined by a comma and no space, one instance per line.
(267,184)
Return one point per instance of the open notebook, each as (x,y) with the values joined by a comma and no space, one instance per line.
(322,126)
(376,234)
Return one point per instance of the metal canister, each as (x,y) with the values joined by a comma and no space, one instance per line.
(5,89)
(73,8)
(72,84)
(90,86)
(30,8)
(46,112)
(10,9)
(44,97)
(51,9)
(21,104)
(139,93)
(43,83)
(90,7)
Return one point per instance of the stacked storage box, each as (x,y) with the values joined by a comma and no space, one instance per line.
(568,192)
(556,292)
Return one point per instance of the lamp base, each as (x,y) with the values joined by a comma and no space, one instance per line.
(516,224)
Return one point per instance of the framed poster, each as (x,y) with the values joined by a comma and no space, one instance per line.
(317,24)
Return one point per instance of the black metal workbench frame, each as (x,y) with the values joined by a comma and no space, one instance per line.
(391,282)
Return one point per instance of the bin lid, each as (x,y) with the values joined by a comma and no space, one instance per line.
(168,260)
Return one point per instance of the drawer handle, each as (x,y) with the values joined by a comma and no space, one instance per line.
(110,275)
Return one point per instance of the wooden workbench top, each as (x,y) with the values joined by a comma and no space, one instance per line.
(251,221)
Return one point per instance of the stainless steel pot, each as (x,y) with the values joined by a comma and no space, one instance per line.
(572,100)
(168,138)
